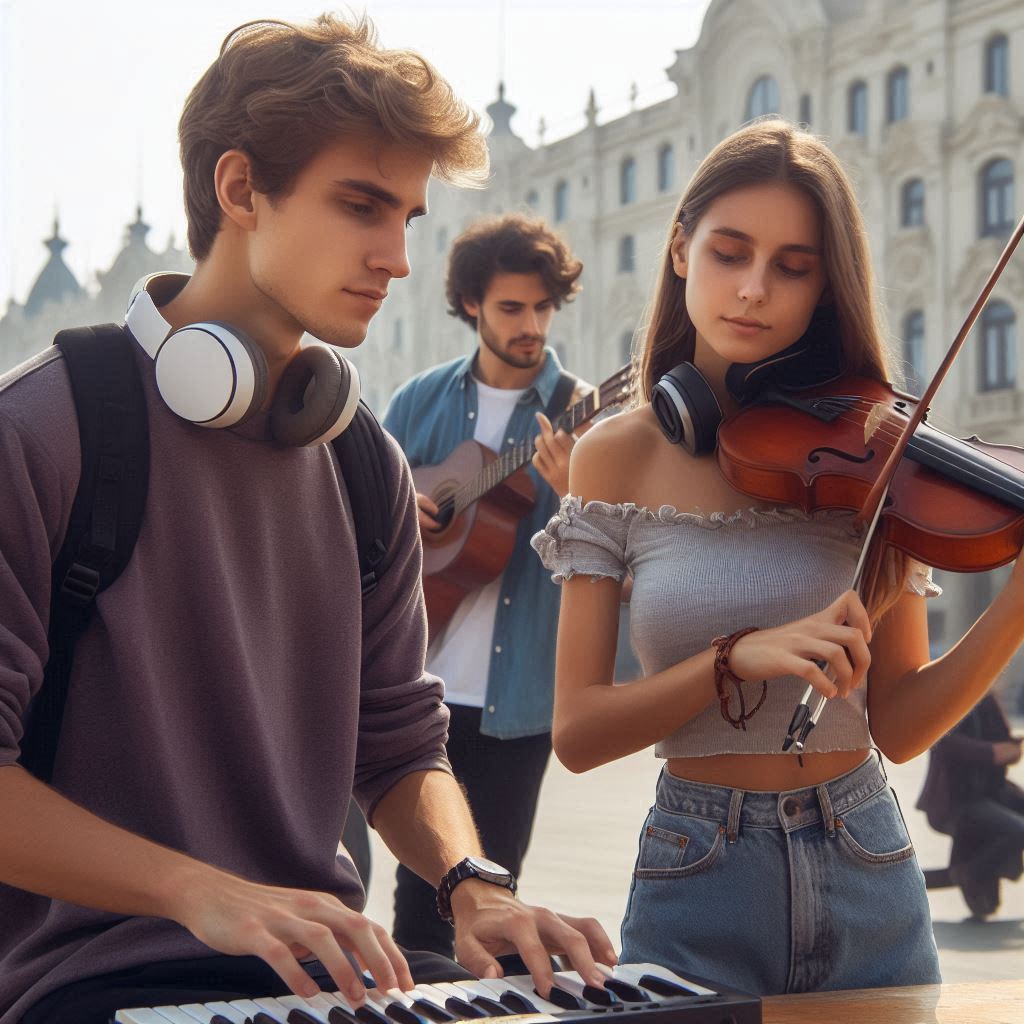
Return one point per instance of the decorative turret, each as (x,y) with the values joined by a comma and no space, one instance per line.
(500,112)
(55,281)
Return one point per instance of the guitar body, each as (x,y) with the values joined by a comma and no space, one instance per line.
(474,548)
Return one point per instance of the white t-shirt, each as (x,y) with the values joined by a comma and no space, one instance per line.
(461,655)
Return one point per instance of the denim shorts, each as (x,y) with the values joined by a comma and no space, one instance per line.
(805,890)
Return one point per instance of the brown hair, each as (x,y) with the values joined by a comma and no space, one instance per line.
(773,150)
(281,92)
(510,244)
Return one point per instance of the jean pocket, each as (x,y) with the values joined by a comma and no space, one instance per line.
(676,845)
(874,831)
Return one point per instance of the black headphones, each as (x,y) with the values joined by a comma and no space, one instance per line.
(688,410)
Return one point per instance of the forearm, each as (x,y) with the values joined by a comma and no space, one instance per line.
(51,846)
(426,823)
(924,704)
(600,723)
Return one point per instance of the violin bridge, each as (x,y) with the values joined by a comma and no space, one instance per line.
(873,422)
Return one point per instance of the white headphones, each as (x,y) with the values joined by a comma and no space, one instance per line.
(213,375)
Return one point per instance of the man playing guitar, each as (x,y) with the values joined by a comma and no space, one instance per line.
(507,276)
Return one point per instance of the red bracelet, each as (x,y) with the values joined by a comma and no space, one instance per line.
(723,648)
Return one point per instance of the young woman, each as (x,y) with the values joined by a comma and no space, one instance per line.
(756,869)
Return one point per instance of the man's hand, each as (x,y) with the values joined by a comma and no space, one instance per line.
(284,926)
(551,459)
(1006,752)
(490,922)
(427,512)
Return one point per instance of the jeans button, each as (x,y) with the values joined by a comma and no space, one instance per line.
(791,806)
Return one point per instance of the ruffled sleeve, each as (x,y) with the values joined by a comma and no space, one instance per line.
(919,580)
(588,541)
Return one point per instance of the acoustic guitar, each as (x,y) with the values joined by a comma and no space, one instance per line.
(481,496)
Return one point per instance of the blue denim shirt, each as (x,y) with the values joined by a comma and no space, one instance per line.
(430,416)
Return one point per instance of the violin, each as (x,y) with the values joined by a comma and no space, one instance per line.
(952,503)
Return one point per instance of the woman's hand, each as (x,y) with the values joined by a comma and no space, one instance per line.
(837,638)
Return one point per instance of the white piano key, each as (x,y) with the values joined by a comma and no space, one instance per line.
(273,1008)
(247,1007)
(315,1008)
(226,1010)
(175,1014)
(198,1012)
(437,994)
(523,984)
(139,1015)
(634,972)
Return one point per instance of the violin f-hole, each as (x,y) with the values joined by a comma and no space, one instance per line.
(815,455)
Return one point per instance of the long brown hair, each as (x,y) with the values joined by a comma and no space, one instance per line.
(281,92)
(776,151)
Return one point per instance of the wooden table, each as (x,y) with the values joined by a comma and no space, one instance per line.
(976,1002)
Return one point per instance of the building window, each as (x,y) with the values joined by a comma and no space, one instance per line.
(763,98)
(995,187)
(857,108)
(627,255)
(561,201)
(805,109)
(912,203)
(897,95)
(913,350)
(997,65)
(626,347)
(627,181)
(998,348)
(532,199)
(666,168)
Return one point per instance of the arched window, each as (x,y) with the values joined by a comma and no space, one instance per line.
(763,98)
(857,108)
(912,203)
(997,65)
(626,347)
(995,190)
(897,106)
(561,201)
(627,254)
(998,347)
(805,108)
(627,181)
(913,350)
(666,167)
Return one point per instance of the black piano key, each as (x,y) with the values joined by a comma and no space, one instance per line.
(432,1011)
(264,1018)
(491,1007)
(564,1000)
(517,1002)
(664,987)
(218,1018)
(599,996)
(301,1017)
(402,1014)
(336,1015)
(367,1015)
(626,992)
(462,1009)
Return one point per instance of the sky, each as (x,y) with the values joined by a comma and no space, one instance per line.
(90,95)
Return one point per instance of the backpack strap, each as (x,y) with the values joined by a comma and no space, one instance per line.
(362,451)
(560,396)
(106,515)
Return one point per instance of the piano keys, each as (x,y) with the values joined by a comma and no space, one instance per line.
(633,994)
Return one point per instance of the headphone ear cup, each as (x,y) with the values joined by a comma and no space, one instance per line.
(211,374)
(687,409)
(316,398)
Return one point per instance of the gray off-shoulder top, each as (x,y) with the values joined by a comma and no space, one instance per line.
(696,577)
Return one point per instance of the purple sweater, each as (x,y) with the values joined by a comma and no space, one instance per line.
(230,693)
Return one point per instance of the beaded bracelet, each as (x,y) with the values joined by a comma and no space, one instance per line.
(723,648)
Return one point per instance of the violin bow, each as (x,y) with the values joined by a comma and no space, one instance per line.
(804,718)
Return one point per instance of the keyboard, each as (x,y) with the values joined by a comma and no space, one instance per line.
(633,994)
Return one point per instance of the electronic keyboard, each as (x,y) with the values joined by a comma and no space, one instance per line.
(633,994)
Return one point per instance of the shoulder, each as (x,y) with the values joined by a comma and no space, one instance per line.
(611,457)
(429,381)
(36,402)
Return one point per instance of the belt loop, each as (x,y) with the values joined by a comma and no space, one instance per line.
(827,814)
(733,824)
(881,762)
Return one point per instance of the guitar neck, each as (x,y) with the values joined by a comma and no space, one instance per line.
(513,459)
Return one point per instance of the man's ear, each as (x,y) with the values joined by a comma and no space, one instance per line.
(472,308)
(678,250)
(232,180)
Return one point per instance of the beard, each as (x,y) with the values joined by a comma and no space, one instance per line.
(504,351)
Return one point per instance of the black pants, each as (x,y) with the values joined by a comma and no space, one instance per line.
(211,979)
(502,782)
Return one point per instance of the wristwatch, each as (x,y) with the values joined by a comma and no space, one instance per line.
(471,867)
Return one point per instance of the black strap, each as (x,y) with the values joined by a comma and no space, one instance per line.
(106,515)
(560,396)
(361,450)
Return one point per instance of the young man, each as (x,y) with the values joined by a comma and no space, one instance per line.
(232,690)
(506,278)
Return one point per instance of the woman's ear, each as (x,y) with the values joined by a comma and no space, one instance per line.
(678,249)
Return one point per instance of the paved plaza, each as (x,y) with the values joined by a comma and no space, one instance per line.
(584,845)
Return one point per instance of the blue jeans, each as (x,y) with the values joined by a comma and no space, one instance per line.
(799,891)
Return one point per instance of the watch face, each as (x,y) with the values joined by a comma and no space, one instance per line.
(489,870)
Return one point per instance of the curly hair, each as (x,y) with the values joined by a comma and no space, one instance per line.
(281,92)
(509,244)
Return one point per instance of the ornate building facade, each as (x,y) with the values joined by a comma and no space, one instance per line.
(923,101)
